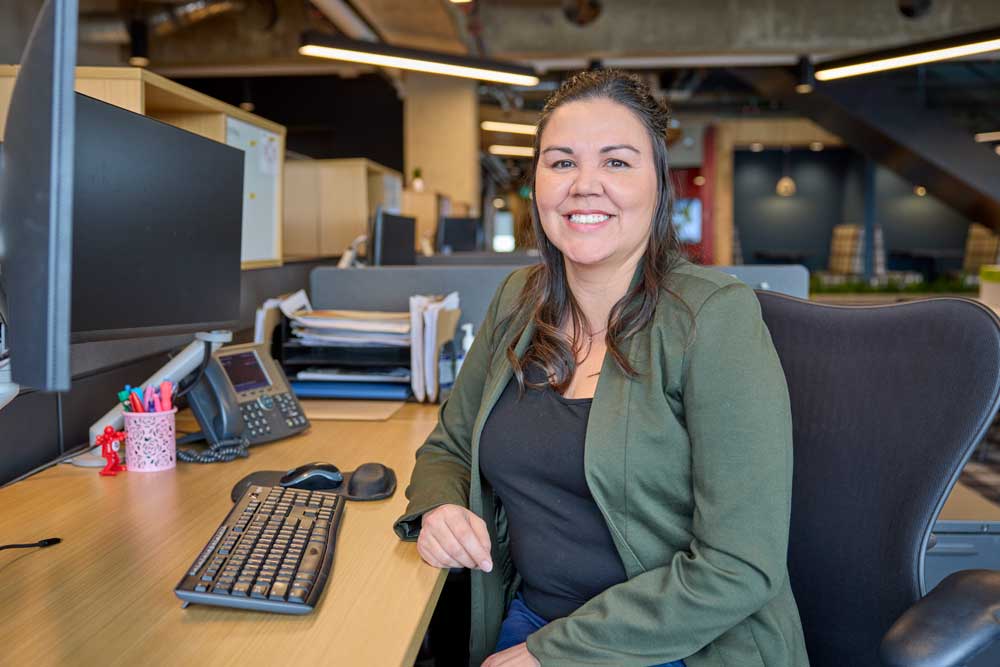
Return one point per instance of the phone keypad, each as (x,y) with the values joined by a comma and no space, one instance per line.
(255,420)
(289,408)
(259,414)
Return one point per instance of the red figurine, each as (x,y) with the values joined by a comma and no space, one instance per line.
(109,450)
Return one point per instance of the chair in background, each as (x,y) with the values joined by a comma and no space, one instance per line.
(847,260)
(982,246)
(888,403)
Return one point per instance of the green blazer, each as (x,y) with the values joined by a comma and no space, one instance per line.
(691,466)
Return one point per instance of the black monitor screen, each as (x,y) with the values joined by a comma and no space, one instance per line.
(244,371)
(395,239)
(157,226)
(459,234)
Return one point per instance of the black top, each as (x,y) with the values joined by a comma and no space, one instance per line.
(531,453)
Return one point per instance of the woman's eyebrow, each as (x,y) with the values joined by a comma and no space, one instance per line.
(608,149)
(561,149)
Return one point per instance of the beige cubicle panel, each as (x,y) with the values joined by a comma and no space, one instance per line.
(329,203)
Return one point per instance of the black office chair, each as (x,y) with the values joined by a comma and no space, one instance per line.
(888,403)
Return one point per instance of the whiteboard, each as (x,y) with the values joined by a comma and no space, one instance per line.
(261,180)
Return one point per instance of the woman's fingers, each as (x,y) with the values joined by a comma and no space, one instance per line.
(452,536)
(480,551)
(432,552)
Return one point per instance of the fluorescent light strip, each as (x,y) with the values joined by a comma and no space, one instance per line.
(988,136)
(512,151)
(896,62)
(514,128)
(417,65)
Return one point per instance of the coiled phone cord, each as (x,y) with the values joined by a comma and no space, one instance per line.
(220,452)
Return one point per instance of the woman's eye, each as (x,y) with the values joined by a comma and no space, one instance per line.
(562,164)
(616,164)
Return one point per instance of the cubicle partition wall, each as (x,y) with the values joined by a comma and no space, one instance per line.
(390,288)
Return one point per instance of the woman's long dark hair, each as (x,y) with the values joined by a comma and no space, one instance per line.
(547,296)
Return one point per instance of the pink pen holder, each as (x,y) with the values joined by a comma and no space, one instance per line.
(150,441)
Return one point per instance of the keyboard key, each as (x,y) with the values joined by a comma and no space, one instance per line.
(298,593)
(242,588)
(259,590)
(278,590)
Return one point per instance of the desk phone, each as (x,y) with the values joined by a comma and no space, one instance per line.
(244,392)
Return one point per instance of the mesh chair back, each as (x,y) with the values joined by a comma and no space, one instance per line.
(888,403)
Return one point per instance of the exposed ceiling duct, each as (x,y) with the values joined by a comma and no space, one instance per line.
(113,29)
(346,19)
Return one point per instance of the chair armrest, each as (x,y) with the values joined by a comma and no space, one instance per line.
(950,625)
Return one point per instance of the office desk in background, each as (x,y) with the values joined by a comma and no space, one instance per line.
(105,595)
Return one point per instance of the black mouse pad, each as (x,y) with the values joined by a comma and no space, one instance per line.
(273,478)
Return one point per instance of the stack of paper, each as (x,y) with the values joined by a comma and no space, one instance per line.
(433,321)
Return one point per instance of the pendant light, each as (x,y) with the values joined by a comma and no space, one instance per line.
(786,184)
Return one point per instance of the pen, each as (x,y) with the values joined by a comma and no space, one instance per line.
(136,403)
(157,404)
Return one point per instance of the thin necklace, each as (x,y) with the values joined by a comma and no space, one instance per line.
(591,334)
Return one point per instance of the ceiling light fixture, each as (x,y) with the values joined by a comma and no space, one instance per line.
(512,151)
(383,55)
(959,46)
(756,147)
(699,180)
(513,128)
(988,136)
(786,184)
(920,191)
(816,146)
(807,76)
(138,32)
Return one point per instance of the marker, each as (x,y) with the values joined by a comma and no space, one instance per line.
(157,404)
(166,393)
(136,403)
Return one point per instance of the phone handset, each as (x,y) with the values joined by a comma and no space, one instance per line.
(216,407)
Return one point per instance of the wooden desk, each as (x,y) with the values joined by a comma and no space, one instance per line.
(105,595)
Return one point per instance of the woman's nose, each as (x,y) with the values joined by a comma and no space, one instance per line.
(587,182)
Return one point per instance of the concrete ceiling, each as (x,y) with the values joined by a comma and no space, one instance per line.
(538,31)
(419,24)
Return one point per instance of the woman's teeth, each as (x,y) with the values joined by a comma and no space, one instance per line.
(589,219)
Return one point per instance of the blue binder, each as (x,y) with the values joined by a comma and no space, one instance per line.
(360,390)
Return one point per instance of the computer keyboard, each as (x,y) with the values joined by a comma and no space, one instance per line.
(273,552)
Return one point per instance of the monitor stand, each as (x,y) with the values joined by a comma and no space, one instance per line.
(175,370)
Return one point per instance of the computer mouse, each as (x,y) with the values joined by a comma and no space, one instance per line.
(317,476)
(371,481)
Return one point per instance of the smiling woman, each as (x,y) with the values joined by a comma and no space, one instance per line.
(614,462)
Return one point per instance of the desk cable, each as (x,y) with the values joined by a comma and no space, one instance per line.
(47,542)
(219,452)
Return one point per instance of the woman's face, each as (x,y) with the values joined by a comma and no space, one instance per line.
(595,185)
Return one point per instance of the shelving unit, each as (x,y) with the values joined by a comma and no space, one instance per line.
(328,203)
(263,141)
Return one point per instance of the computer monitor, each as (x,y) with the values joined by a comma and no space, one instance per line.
(687,220)
(157,227)
(394,240)
(36,200)
(459,234)
(112,224)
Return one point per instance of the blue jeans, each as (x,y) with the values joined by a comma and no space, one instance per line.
(521,622)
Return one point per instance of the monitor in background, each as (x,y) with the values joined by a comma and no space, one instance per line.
(459,234)
(157,227)
(687,220)
(394,240)
(36,199)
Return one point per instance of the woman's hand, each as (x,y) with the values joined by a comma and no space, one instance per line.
(515,656)
(452,536)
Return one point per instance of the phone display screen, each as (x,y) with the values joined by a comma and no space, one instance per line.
(244,371)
